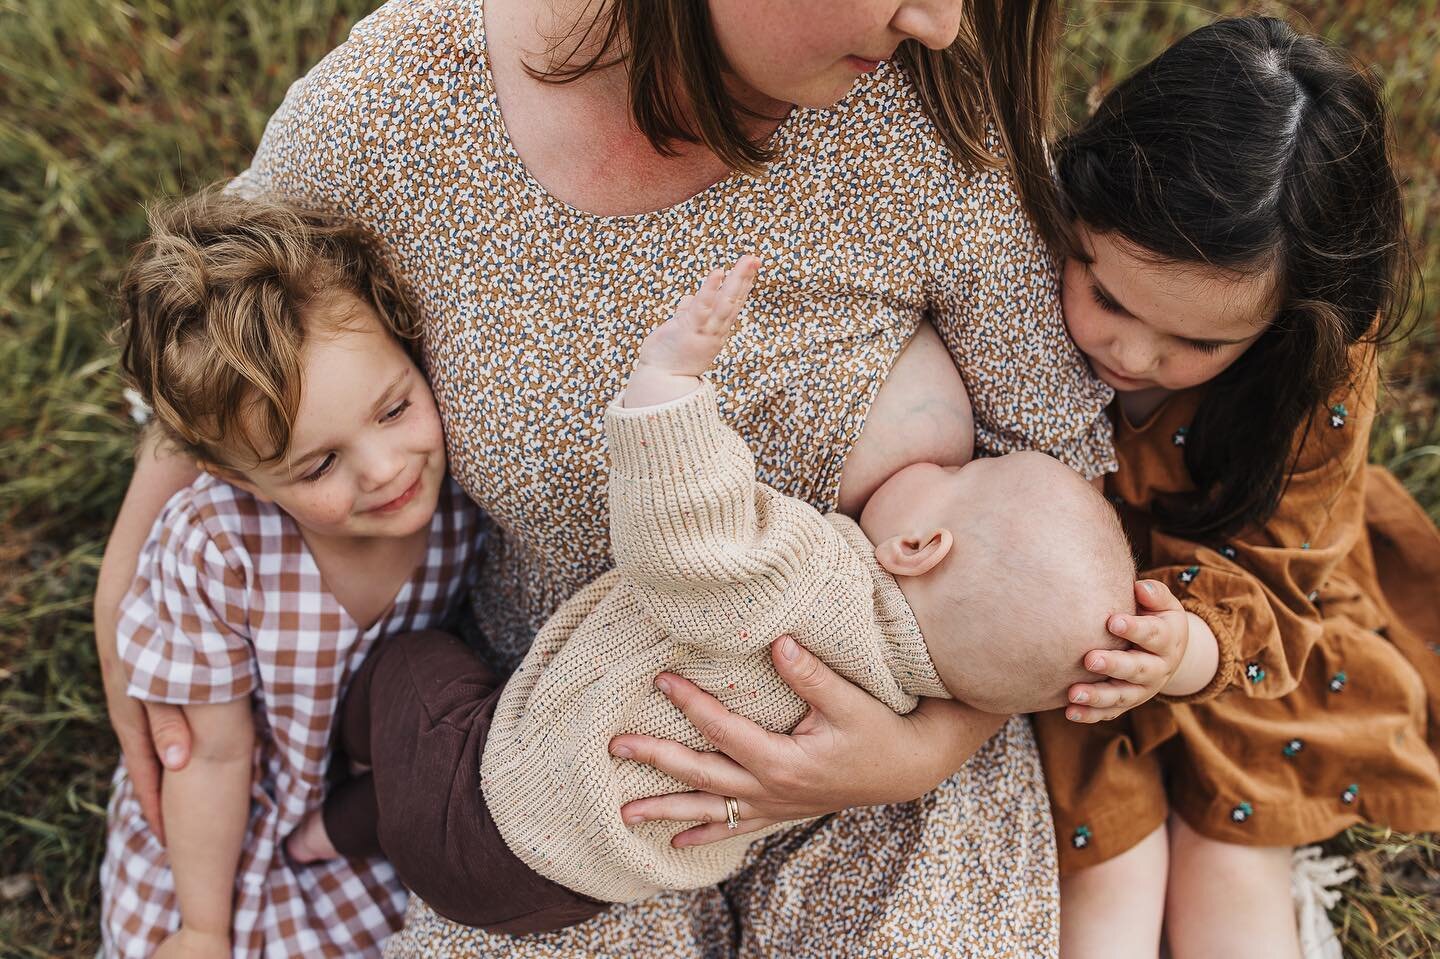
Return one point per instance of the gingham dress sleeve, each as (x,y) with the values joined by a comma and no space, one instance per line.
(995,302)
(182,632)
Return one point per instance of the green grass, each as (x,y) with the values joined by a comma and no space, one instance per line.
(107,103)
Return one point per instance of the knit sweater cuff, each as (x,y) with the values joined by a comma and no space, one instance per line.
(656,442)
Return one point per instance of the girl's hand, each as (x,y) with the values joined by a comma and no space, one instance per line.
(1158,636)
(849,750)
(187,943)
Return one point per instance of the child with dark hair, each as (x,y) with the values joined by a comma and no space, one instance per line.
(273,348)
(1239,253)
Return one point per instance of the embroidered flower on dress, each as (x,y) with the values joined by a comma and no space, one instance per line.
(1242,812)
(1228,551)
(1179,438)
(1338,415)
(1351,793)
(1338,681)
(1188,576)
(1254,672)
(1293,747)
(1081,839)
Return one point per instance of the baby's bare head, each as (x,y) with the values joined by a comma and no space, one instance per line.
(1039,562)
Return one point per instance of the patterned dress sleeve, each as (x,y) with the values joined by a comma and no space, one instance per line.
(183,627)
(330,141)
(1262,593)
(704,544)
(996,304)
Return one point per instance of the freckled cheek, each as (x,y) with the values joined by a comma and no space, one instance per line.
(329,508)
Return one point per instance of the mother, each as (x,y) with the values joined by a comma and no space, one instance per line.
(548,179)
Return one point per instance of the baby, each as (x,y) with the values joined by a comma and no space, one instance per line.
(986,582)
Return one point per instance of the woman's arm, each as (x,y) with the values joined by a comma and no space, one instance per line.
(849,750)
(147,731)
(207,805)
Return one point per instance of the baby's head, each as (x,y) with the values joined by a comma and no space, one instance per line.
(1012,565)
(272,346)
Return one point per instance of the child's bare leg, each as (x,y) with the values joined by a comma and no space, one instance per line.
(1114,910)
(1228,900)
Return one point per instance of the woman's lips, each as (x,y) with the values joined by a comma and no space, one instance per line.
(863,65)
(399,502)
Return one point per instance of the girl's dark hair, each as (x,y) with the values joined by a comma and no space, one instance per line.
(1248,147)
(996,72)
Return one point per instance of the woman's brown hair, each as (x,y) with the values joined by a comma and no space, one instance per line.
(997,72)
(214,306)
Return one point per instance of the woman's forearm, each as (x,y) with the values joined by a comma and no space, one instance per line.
(159,473)
(950,732)
(207,808)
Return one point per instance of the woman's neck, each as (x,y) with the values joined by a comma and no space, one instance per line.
(577,139)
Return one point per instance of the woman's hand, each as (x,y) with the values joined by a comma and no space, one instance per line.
(148,733)
(849,750)
(1158,636)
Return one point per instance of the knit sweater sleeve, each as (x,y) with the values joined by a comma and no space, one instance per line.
(708,549)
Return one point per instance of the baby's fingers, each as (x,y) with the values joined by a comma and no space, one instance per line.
(1092,702)
(1128,665)
(737,286)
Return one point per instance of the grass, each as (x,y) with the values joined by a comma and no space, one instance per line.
(107,103)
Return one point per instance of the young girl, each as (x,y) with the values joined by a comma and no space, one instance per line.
(1242,253)
(272,348)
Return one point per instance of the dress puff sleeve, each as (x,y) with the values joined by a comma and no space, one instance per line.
(183,626)
(1263,592)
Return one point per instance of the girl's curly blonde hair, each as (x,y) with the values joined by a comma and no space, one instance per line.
(214,307)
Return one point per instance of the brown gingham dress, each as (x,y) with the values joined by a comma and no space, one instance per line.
(533,313)
(228,602)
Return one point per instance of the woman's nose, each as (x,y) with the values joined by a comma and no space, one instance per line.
(935,23)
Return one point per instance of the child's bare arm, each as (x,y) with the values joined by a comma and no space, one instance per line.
(206,807)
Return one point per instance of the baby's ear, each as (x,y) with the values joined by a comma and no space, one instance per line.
(914,555)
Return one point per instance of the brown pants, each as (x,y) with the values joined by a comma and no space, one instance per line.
(417,713)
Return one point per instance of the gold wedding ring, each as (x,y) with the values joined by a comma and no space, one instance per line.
(732,812)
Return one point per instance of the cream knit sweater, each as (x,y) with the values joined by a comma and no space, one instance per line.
(710,566)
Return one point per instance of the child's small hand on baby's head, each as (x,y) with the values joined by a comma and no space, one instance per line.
(1158,633)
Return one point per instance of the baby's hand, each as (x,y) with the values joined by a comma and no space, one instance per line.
(683,347)
(190,944)
(1158,636)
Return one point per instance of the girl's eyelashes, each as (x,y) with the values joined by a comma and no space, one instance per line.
(1203,347)
(320,470)
(1103,301)
(396,412)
